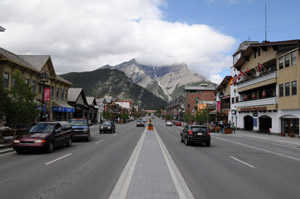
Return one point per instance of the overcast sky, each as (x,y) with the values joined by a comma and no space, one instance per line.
(85,35)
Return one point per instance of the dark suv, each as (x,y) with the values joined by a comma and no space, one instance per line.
(195,133)
(44,136)
(107,126)
(80,129)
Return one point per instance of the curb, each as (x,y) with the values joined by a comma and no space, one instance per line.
(6,150)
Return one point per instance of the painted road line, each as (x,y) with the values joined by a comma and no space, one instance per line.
(249,165)
(99,141)
(58,159)
(182,189)
(115,134)
(260,149)
(121,188)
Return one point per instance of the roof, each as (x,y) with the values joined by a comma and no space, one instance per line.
(223,84)
(199,88)
(91,100)
(244,45)
(37,61)
(16,59)
(73,94)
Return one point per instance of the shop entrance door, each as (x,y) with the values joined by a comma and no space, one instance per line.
(291,125)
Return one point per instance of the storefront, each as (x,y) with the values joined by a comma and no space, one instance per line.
(290,125)
(62,111)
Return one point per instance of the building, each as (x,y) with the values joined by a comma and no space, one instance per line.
(31,67)
(77,99)
(223,100)
(268,87)
(93,109)
(202,97)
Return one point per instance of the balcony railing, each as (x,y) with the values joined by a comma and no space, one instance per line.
(257,80)
(258,102)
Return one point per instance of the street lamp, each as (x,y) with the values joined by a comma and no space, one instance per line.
(43,78)
(221,95)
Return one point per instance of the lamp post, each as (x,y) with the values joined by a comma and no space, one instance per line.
(43,78)
(221,95)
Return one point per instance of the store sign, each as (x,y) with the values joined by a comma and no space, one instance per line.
(218,105)
(263,108)
(63,109)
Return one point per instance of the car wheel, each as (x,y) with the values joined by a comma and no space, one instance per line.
(88,138)
(187,142)
(50,148)
(69,143)
(19,151)
(181,140)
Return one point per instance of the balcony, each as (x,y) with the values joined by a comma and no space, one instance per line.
(257,80)
(258,102)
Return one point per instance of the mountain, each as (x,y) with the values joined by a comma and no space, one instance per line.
(165,82)
(108,82)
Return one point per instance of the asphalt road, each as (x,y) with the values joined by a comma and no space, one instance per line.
(234,167)
(86,170)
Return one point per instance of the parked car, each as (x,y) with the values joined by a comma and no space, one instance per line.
(178,123)
(107,126)
(80,129)
(169,123)
(195,134)
(140,123)
(44,136)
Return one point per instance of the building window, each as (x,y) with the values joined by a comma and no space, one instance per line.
(27,82)
(281,90)
(254,53)
(287,60)
(33,86)
(6,80)
(52,92)
(294,58)
(294,87)
(232,100)
(237,99)
(62,94)
(57,93)
(281,63)
(287,89)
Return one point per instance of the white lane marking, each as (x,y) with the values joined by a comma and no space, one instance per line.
(249,165)
(115,134)
(182,189)
(99,141)
(121,188)
(260,149)
(58,159)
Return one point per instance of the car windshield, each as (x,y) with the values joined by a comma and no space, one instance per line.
(107,123)
(199,129)
(42,128)
(78,122)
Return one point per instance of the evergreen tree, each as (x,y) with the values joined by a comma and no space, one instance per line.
(23,109)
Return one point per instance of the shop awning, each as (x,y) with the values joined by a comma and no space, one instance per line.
(62,107)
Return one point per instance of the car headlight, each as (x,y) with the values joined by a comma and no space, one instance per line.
(16,141)
(101,127)
(108,127)
(39,141)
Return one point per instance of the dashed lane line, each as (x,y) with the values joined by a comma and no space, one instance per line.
(58,159)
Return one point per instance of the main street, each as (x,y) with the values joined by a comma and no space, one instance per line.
(232,167)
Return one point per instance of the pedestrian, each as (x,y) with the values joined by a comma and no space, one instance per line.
(222,127)
(233,127)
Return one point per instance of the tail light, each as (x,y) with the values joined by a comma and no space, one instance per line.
(190,132)
(208,133)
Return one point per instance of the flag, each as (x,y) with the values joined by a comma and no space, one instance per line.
(230,81)
(47,92)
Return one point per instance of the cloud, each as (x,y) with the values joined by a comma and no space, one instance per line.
(84,35)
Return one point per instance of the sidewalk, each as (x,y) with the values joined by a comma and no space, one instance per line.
(282,140)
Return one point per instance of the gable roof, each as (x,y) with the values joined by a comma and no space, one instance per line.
(73,94)
(37,61)
(91,100)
